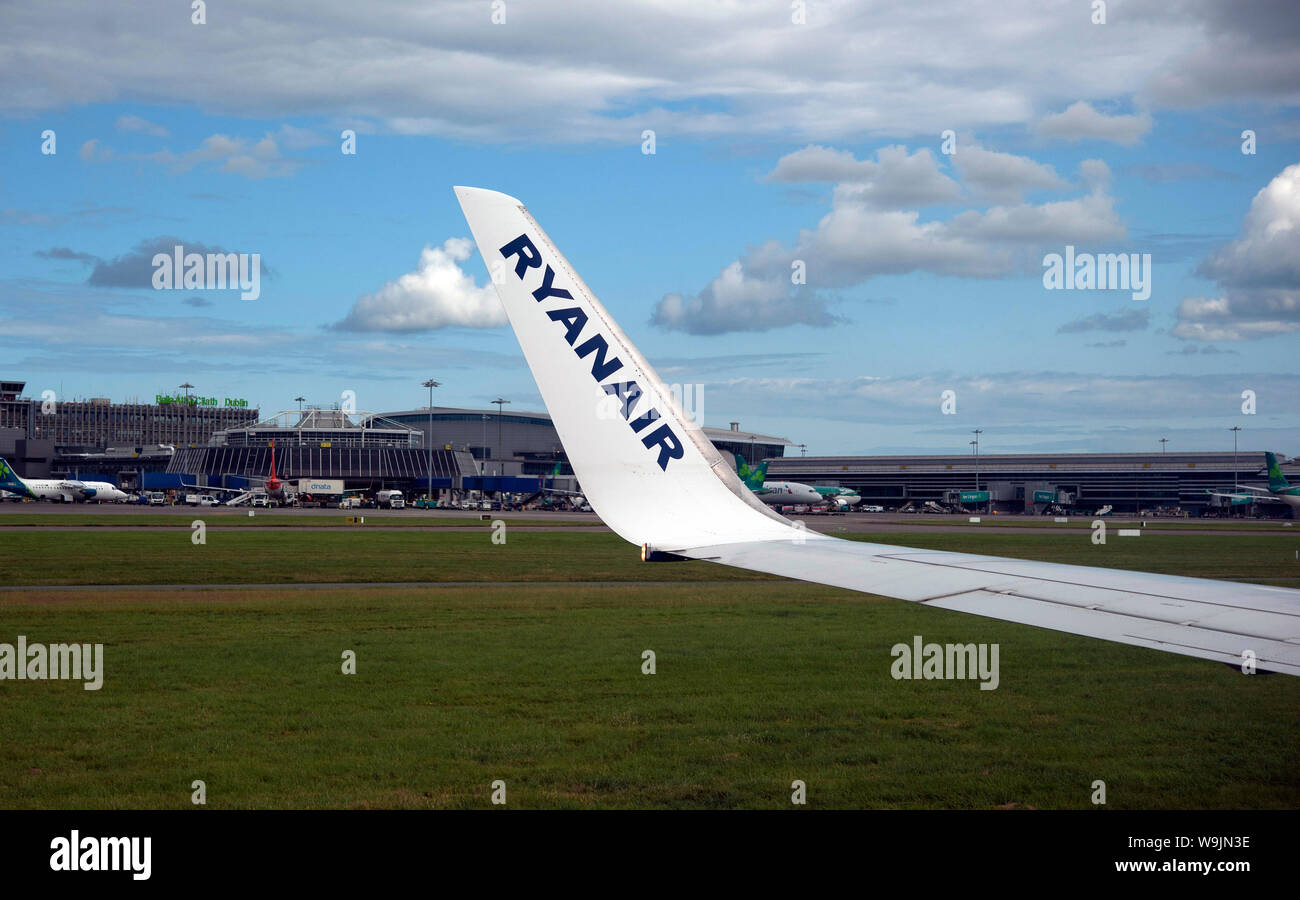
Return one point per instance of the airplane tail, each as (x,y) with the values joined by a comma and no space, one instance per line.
(1276,480)
(646,467)
(9,480)
(753,477)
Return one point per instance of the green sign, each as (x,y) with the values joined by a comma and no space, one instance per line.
(165,399)
(1044,496)
(974,496)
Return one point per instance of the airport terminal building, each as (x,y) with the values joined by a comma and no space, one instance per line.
(361,450)
(47,437)
(186,441)
(521,444)
(1033,482)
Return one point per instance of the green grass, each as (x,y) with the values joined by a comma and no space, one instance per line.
(758,684)
(235,557)
(53,557)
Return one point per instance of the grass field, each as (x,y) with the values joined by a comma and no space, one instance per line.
(759,682)
(53,557)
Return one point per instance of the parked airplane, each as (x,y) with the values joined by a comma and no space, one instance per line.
(657,481)
(839,497)
(272,487)
(775,493)
(63,490)
(1279,490)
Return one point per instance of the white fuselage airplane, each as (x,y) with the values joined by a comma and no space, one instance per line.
(788,493)
(1279,490)
(780,493)
(656,480)
(64,490)
(839,496)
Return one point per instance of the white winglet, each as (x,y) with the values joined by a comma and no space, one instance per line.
(645,466)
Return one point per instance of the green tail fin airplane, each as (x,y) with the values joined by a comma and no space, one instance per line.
(1279,489)
(9,481)
(753,477)
(1276,480)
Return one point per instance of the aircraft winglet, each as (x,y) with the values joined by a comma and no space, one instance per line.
(646,467)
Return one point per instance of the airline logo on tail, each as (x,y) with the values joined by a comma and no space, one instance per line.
(1276,480)
(752,477)
(10,481)
(574,320)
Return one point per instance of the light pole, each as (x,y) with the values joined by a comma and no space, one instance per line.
(803,449)
(500,405)
(299,399)
(430,384)
(1234,429)
(482,463)
(976,443)
(1163,441)
(185,416)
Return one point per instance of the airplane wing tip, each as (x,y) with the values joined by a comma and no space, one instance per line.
(467,194)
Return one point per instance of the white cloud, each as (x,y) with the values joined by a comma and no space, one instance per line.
(1032,400)
(438,294)
(1003,177)
(142,126)
(818,163)
(232,155)
(685,68)
(895,179)
(1241,52)
(1267,254)
(1083,122)
(1259,272)
(1088,219)
(735,301)
(1238,316)
(858,239)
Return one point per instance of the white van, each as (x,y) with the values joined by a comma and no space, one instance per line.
(390,499)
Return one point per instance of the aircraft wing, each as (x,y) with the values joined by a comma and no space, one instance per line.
(653,476)
(1262,497)
(213,489)
(1193,616)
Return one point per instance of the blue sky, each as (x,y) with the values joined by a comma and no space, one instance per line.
(775,141)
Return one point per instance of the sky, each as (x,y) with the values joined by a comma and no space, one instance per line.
(827,214)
